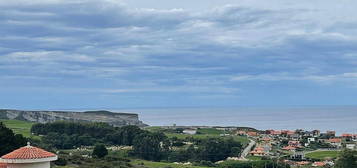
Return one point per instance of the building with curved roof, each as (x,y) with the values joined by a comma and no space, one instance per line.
(28,157)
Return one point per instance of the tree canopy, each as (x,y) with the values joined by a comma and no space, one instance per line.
(10,141)
(100,151)
(347,159)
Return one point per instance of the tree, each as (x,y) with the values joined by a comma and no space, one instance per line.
(347,159)
(100,151)
(128,134)
(149,146)
(9,141)
(216,149)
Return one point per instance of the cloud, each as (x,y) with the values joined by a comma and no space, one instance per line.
(288,77)
(110,46)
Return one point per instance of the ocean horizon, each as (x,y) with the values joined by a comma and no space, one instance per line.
(342,119)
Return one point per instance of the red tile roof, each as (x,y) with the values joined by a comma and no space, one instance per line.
(28,152)
(318,164)
(252,133)
(275,132)
(3,165)
(347,135)
(303,163)
(289,148)
(335,140)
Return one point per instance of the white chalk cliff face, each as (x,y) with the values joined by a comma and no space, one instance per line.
(115,119)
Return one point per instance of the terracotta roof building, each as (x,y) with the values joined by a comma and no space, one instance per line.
(289,148)
(335,140)
(318,164)
(28,157)
(3,165)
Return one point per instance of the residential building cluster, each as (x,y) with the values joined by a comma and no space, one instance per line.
(293,146)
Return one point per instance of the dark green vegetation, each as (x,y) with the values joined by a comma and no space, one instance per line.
(147,145)
(9,141)
(347,159)
(211,149)
(253,164)
(100,151)
(69,135)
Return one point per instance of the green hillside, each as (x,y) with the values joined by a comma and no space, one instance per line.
(19,127)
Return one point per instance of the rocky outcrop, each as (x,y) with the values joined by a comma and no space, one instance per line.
(115,119)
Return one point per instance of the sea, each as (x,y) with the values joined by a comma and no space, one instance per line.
(342,119)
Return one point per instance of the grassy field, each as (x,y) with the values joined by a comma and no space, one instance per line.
(211,131)
(19,127)
(162,164)
(322,154)
(254,158)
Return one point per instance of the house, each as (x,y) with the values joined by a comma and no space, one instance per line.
(319,164)
(295,137)
(252,134)
(289,148)
(316,133)
(294,143)
(302,163)
(287,132)
(351,146)
(28,157)
(309,140)
(336,142)
(274,133)
(308,134)
(258,151)
(189,131)
(331,133)
(298,155)
(241,133)
(354,137)
(347,137)
(3,165)
(266,139)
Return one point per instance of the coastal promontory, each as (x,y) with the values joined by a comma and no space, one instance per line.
(112,118)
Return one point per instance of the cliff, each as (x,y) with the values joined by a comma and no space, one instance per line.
(115,119)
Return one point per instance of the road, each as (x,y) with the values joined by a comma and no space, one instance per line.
(247,149)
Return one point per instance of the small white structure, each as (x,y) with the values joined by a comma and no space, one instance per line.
(309,140)
(189,131)
(28,157)
(351,146)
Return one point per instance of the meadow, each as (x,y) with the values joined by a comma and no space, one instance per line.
(19,127)
(322,154)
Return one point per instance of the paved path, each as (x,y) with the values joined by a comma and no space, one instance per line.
(247,149)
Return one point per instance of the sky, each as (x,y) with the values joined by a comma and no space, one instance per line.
(90,54)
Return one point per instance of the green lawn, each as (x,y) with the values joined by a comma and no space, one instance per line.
(322,154)
(254,158)
(211,131)
(154,128)
(19,127)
